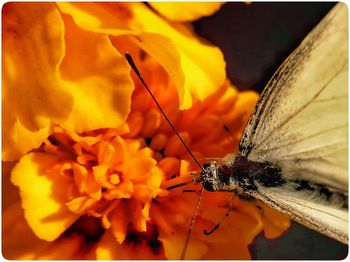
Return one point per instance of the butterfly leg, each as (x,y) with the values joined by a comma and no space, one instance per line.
(228,212)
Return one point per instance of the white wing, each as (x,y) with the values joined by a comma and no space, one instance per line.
(300,124)
(325,219)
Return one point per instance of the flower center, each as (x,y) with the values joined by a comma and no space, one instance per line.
(115,181)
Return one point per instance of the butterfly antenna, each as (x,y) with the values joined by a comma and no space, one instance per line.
(133,66)
(228,212)
(187,240)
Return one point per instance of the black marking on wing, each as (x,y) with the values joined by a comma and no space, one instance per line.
(324,192)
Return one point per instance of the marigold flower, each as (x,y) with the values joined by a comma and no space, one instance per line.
(102,158)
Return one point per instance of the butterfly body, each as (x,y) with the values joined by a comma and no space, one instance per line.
(293,153)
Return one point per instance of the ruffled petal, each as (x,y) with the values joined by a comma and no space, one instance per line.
(183,11)
(32,93)
(97,76)
(94,17)
(202,77)
(43,197)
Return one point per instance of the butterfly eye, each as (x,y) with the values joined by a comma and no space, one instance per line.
(206,165)
(208,186)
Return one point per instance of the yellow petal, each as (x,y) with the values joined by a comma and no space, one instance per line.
(183,11)
(16,139)
(202,64)
(32,91)
(94,17)
(202,76)
(19,242)
(43,194)
(163,50)
(98,78)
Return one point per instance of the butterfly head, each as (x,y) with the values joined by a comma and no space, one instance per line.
(209,176)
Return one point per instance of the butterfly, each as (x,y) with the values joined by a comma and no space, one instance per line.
(293,153)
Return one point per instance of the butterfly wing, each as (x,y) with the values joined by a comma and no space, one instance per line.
(300,125)
(299,206)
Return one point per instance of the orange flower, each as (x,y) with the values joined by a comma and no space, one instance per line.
(96,184)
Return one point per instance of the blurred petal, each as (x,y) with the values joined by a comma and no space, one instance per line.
(174,244)
(18,240)
(10,193)
(32,92)
(43,194)
(65,248)
(275,223)
(183,11)
(109,249)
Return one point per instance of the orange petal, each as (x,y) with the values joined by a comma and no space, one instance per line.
(182,11)
(202,77)
(137,218)
(174,243)
(33,92)
(233,249)
(10,193)
(18,240)
(109,249)
(43,194)
(170,165)
(98,78)
(70,247)
(175,147)
(152,119)
(275,223)
(94,17)
(79,205)
(138,167)
(119,222)
(180,52)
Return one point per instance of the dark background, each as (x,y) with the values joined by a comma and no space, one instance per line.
(255,40)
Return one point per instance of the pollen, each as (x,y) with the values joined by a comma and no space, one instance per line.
(114,179)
